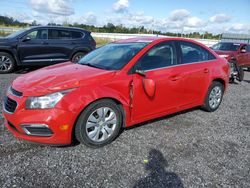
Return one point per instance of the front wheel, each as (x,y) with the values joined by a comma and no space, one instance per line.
(7,63)
(99,124)
(214,97)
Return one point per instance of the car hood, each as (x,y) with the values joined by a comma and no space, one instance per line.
(219,52)
(3,40)
(59,77)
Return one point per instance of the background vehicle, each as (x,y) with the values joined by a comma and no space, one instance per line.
(115,86)
(237,54)
(44,45)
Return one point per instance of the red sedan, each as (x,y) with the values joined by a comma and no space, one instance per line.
(118,85)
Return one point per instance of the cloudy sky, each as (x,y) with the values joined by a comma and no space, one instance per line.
(214,16)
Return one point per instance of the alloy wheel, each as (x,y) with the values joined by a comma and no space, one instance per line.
(5,63)
(101,124)
(215,97)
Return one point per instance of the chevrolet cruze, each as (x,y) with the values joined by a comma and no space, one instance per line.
(116,86)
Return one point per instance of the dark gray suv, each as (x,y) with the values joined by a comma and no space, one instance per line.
(44,45)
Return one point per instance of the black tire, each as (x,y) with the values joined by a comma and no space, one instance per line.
(231,80)
(241,74)
(207,105)
(77,56)
(7,63)
(81,131)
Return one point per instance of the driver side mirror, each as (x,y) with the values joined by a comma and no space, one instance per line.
(243,51)
(149,85)
(25,39)
(140,72)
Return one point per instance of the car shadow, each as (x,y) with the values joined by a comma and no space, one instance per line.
(162,118)
(248,81)
(158,176)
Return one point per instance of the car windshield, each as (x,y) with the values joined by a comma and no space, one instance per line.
(112,56)
(226,46)
(15,34)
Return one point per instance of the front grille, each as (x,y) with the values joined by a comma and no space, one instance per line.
(15,92)
(9,105)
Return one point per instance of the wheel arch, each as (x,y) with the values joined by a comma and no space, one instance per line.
(220,80)
(117,101)
(12,54)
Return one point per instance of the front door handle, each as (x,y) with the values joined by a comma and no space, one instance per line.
(44,42)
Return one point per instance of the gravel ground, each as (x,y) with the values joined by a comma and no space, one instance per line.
(189,149)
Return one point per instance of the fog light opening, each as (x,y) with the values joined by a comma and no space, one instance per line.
(37,130)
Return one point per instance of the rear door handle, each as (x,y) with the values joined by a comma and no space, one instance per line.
(206,70)
(175,78)
(44,42)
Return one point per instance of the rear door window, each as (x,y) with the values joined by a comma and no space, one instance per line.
(53,34)
(76,35)
(191,53)
(59,34)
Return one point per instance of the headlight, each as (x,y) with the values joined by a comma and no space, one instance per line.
(45,102)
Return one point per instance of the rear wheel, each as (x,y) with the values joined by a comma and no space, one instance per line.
(7,63)
(99,124)
(77,56)
(231,80)
(214,97)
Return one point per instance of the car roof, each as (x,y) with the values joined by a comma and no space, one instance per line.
(60,27)
(138,39)
(153,39)
(239,43)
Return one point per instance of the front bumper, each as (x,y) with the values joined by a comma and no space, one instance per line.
(60,122)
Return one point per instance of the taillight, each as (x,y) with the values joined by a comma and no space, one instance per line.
(92,41)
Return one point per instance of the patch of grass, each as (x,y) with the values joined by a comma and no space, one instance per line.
(101,41)
(3,34)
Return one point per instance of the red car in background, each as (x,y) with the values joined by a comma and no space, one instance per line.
(237,54)
(116,86)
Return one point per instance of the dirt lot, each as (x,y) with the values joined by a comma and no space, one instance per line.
(189,149)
